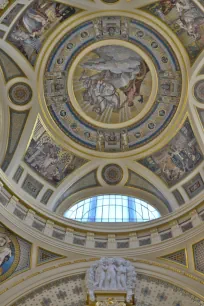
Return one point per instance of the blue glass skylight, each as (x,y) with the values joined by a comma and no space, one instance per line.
(112,208)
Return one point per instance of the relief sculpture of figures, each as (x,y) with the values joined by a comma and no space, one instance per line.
(111,274)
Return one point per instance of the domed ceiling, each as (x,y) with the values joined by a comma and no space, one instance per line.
(102,97)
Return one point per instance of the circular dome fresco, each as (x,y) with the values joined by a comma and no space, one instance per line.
(112,84)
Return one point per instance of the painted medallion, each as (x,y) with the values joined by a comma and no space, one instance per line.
(112,84)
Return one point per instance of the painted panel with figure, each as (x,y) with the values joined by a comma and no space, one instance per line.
(177,159)
(48,159)
(112,84)
(186,19)
(15,254)
(36,23)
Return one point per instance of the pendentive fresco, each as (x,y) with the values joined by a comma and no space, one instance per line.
(185,19)
(48,159)
(37,22)
(177,159)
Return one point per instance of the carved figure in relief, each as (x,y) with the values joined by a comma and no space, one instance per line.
(121,275)
(100,274)
(111,274)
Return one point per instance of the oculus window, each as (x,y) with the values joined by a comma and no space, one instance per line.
(112,208)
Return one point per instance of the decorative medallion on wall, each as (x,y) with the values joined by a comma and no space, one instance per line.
(20,93)
(112,174)
(9,254)
(113,79)
(199,91)
(112,84)
(15,254)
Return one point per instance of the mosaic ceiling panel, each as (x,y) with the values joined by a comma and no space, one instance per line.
(185,19)
(15,254)
(125,84)
(48,159)
(102,81)
(37,22)
(178,158)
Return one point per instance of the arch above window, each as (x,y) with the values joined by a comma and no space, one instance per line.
(112,208)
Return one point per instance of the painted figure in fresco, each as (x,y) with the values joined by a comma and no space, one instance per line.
(6,256)
(100,94)
(100,144)
(29,31)
(164,8)
(118,68)
(189,16)
(124,140)
(47,159)
(180,161)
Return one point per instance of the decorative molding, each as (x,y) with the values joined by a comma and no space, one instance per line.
(17,123)
(112,174)
(178,257)
(45,256)
(9,67)
(20,93)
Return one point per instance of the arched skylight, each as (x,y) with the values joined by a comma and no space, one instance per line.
(112,208)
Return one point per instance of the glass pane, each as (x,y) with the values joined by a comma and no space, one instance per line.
(112,208)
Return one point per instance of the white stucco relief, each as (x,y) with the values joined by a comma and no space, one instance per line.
(111,274)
